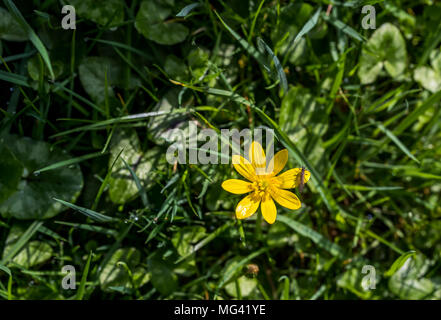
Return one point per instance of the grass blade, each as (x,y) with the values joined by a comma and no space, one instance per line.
(248,47)
(413,116)
(316,237)
(14,78)
(87,212)
(90,227)
(309,25)
(82,287)
(141,189)
(399,262)
(69,162)
(6,270)
(396,141)
(343,27)
(280,72)
(16,14)
(187,9)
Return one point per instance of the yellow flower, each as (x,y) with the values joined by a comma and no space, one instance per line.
(264,185)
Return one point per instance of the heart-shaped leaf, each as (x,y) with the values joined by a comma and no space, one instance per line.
(33,196)
(106,13)
(185,239)
(93,74)
(115,275)
(163,278)
(428,78)
(385,49)
(407,282)
(150,23)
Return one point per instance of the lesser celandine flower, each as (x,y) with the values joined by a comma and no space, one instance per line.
(263,185)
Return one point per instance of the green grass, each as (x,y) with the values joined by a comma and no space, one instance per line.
(90,186)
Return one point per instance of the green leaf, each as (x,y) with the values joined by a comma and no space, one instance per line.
(186,238)
(163,278)
(160,127)
(122,186)
(435,60)
(105,13)
(352,280)
(150,23)
(32,199)
(93,73)
(316,237)
(385,49)
(34,68)
(409,284)
(11,171)
(235,267)
(205,241)
(19,250)
(113,274)
(34,253)
(246,287)
(428,78)
(10,29)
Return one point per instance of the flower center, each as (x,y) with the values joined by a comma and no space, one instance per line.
(260,187)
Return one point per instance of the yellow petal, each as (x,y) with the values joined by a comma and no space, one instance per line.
(268,208)
(285,198)
(257,157)
(244,167)
(247,206)
(278,162)
(237,186)
(291,178)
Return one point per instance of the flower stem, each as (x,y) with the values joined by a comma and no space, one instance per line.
(258,230)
